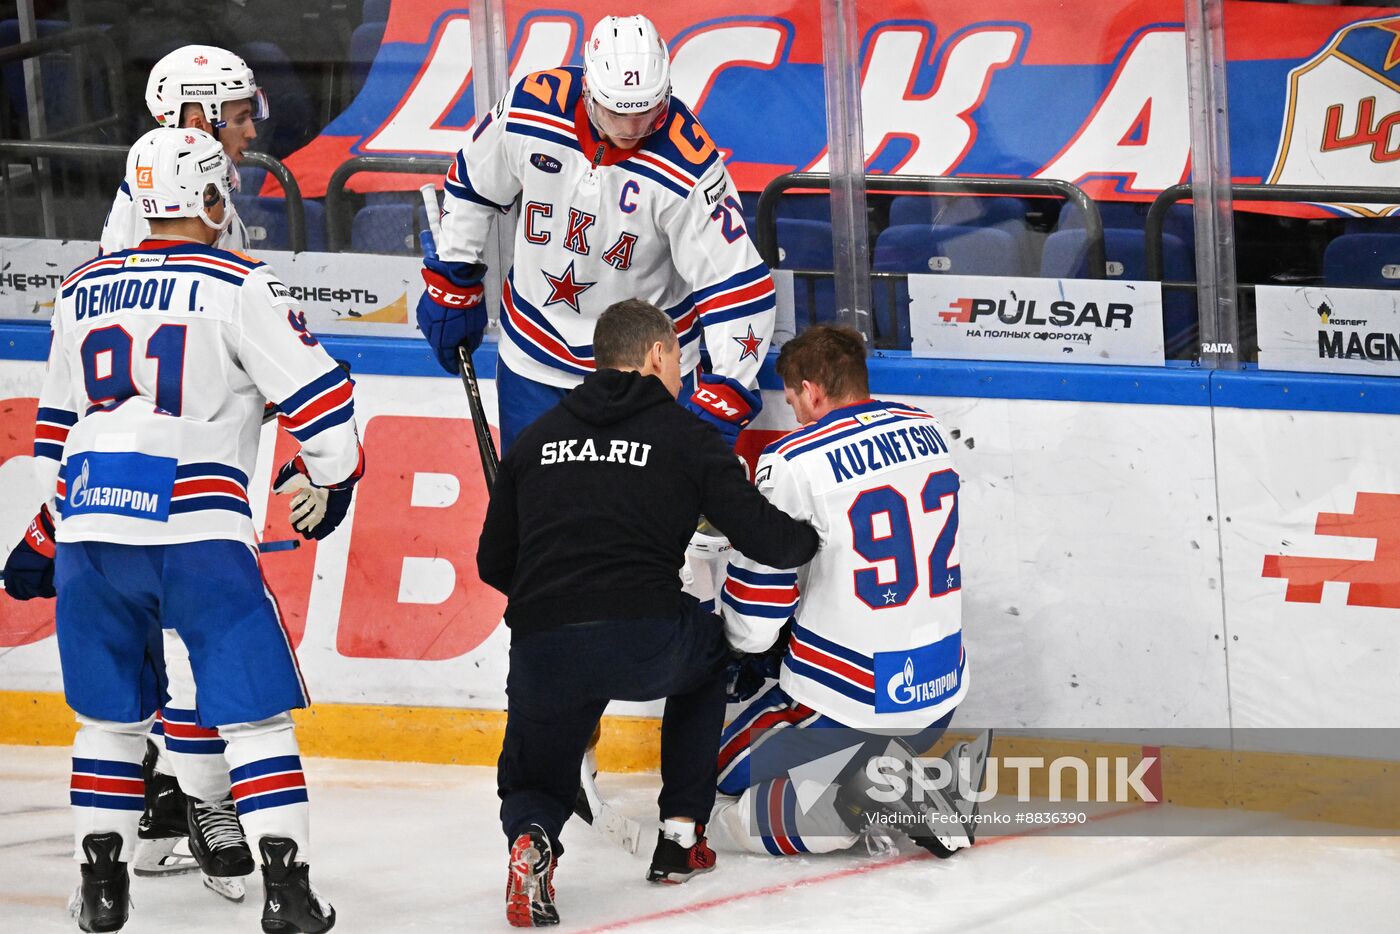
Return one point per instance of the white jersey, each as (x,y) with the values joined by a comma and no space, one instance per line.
(600,224)
(161,362)
(877,614)
(125,226)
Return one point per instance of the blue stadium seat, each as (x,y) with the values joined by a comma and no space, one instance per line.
(393,197)
(806,244)
(1066,256)
(1389,224)
(921,248)
(268,227)
(385,228)
(374,11)
(250,180)
(293,116)
(56,76)
(1132,215)
(1363,260)
(364,44)
(956,210)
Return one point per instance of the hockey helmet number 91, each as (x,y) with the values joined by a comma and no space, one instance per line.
(627,69)
(205,75)
(179,172)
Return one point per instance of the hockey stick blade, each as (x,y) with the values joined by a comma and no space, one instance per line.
(616,829)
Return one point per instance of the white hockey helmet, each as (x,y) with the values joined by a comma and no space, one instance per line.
(179,172)
(627,70)
(204,75)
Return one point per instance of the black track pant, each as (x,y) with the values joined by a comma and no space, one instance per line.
(562,679)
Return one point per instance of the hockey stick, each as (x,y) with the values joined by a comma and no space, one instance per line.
(590,806)
(485,444)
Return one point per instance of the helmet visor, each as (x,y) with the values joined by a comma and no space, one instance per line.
(632,125)
(230,113)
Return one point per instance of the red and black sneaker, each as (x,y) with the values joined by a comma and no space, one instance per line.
(672,863)
(530,881)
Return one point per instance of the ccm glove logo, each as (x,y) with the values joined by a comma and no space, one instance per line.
(449,295)
(718,404)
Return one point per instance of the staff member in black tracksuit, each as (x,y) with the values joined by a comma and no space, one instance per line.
(586,534)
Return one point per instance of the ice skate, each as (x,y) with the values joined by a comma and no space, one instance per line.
(290,904)
(217,840)
(102,901)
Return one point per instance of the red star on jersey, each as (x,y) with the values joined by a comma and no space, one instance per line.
(565,288)
(750,342)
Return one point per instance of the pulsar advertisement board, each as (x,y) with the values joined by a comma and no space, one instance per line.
(1049,320)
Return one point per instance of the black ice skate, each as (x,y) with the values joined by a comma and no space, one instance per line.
(530,881)
(939,820)
(291,905)
(102,901)
(672,863)
(164,815)
(217,840)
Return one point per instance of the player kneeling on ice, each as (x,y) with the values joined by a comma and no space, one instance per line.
(586,533)
(871,666)
(162,360)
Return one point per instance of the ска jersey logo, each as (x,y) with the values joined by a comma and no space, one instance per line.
(1341,124)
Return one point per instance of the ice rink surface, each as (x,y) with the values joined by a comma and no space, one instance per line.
(408,847)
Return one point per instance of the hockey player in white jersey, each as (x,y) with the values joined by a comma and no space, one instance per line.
(209,89)
(622,195)
(875,639)
(161,362)
(213,90)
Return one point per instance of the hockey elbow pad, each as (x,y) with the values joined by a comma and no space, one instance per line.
(726,404)
(452,309)
(29,568)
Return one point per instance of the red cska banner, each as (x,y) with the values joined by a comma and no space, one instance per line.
(1094,94)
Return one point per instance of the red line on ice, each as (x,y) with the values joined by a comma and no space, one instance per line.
(859,870)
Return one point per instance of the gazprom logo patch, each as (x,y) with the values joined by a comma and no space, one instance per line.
(920,678)
(121,484)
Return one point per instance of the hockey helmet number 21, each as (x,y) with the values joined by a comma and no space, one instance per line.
(627,70)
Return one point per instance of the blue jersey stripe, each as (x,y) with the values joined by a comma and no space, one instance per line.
(50,449)
(758,579)
(826,678)
(335,417)
(223,276)
(269,766)
(88,799)
(540,133)
(56,416)
(747,277)
(756,307)
(205,469)
(199,503)
(655,176)
(107,768)
(767,611)
(275,799)
(803,634)
(535,352)
(311,390)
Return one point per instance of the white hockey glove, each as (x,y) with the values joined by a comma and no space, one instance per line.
(708,543)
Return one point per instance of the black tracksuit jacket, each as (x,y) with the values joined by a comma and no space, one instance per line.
(596,501)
